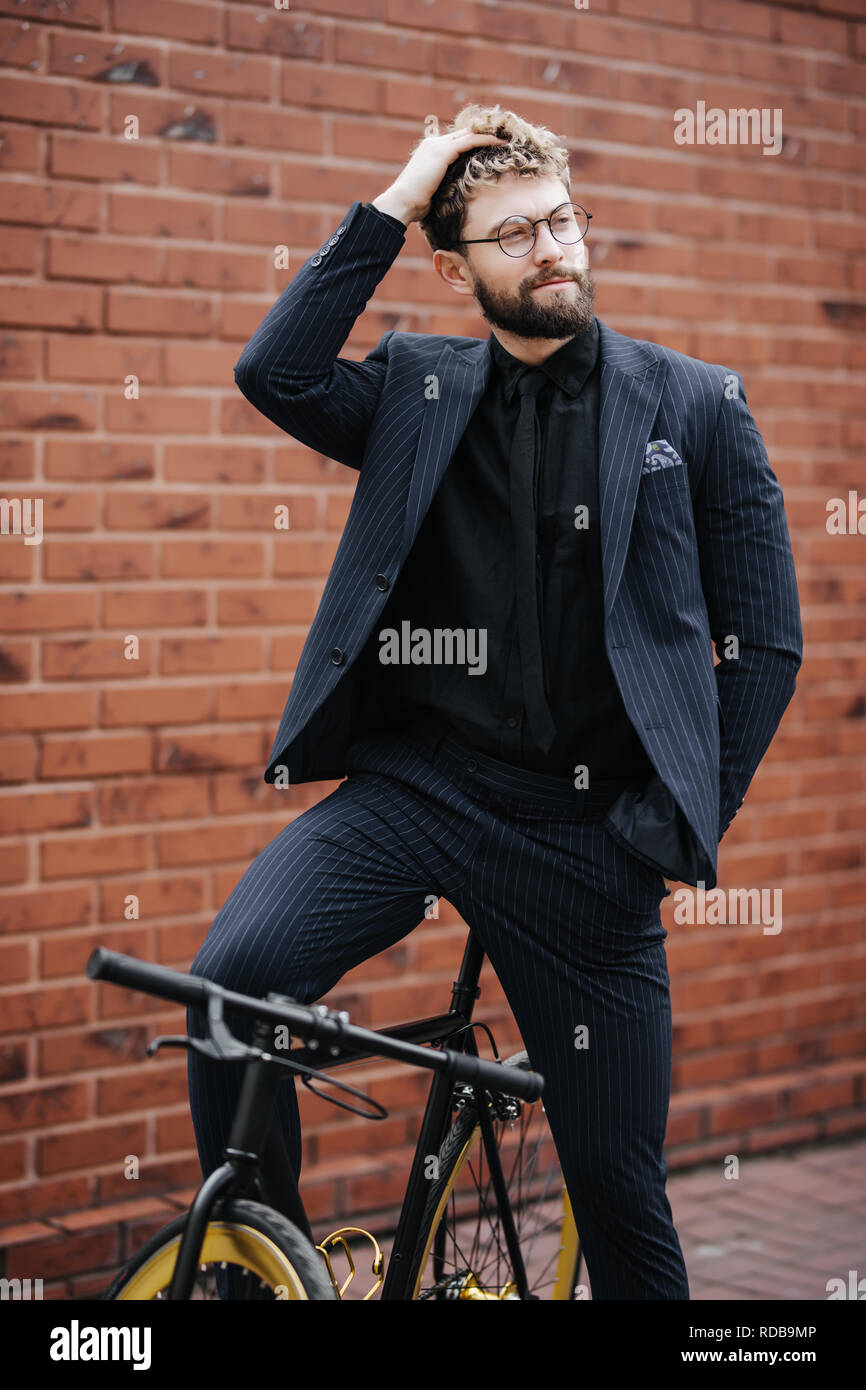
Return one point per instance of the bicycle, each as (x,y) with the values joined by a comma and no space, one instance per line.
(460,1235)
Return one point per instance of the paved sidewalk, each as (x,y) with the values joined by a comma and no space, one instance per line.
(786,1225)
(789,1223)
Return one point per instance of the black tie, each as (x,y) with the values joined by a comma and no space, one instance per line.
(522,471)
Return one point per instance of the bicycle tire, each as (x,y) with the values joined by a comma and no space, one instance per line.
(461,1141)
(243,1233)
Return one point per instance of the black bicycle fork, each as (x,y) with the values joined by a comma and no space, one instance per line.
(255,1133)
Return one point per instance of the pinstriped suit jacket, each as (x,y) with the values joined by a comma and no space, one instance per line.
(694,550)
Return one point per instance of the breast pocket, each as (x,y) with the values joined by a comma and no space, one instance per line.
(664,538)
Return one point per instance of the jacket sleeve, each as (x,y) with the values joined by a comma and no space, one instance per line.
(290,369)
(750,588)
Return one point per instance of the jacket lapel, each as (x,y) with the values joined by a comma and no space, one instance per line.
(453,389)
(632,379)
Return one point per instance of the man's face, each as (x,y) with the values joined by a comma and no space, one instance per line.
(513,292)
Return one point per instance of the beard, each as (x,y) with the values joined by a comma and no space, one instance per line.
(556,314)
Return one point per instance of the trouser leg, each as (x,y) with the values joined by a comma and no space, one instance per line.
(345,880)
(570,922)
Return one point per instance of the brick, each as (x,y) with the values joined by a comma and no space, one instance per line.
(44,1198)
(46,709)
(95,1146)
(92,57)
(98,560)
(51,306)
(148,705)
(107,755)
(215,463)
(212,559)
(100,258)
(145,608)
(52,810)
(142,1088)
(64,1255)
(169,19)
(234,175)
(106,459)
(45,1106)
(139,213)
(223,74)
(108,158)
(31,910)
(139,311)
(48,101)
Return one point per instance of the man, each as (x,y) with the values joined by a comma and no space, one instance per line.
(512,659)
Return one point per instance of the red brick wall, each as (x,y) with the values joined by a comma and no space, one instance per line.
(154,257)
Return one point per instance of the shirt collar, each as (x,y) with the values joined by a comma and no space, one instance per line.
(569,366)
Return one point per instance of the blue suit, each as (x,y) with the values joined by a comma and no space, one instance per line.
(694,538)
(561,888)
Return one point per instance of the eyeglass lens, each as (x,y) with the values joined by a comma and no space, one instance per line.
(568,225)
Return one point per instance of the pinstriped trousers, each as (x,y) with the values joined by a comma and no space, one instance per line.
(569,919)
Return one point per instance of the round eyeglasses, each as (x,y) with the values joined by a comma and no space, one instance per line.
(569,223)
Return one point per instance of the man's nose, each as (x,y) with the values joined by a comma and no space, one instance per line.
(546,245)
(547,248)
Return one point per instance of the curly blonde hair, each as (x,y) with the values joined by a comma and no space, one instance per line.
(533,149)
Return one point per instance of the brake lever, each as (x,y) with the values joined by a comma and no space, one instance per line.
(220,1045)
(202,1045)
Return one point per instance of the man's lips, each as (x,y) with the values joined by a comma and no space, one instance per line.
(544,283)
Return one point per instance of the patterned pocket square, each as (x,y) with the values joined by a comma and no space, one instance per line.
(660,454)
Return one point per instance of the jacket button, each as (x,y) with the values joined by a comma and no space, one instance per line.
(472,765)
(338,656)
(382,581)
(332,241)
(317,260)
(340,230)
(325,250)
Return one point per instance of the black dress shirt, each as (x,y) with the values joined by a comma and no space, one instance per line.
(459,575)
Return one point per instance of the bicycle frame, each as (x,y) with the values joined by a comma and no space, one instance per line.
(253,1129)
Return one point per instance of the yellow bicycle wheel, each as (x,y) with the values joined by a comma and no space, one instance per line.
(269,1256)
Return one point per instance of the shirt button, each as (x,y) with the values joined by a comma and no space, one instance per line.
(382,581)
(333,241)
(337,656)
(472,765)
(317,260)
(340,230)
(325,250)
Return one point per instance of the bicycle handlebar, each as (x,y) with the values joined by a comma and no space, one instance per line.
(194,990)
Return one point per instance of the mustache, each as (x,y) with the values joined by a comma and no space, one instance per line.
(579,275)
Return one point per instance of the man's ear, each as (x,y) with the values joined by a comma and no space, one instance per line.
(453,270)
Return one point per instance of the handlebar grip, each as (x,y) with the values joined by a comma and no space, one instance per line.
(150,979)
(527,1085)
